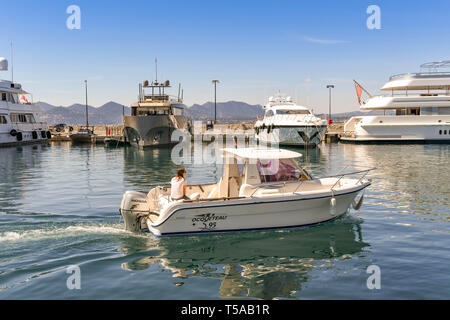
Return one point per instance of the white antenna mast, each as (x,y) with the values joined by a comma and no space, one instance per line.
(12,63)
(156,69)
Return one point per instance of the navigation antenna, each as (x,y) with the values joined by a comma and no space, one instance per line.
(435,65)
(156,70)
(12,63)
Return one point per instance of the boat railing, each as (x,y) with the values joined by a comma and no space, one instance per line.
(340,176)
(407,93)
(419,74)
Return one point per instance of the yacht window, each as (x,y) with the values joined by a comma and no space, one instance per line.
(3,96)
(269,113)
(440,131)
(293,112)
(18,118)
(13,98)
(3,120)
(445,131)
(414,111)
(278,170)
(30,118)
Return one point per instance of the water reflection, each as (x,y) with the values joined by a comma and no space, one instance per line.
(264,265)
(15,173)
(402,179)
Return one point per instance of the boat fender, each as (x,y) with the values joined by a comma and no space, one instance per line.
(13,132)
(357,205)
(34,135)
(19,136)
(49,135)
(333,206)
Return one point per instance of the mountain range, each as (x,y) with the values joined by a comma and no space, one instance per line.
(111,113)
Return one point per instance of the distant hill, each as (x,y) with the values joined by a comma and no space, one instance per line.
(111,113)
(231,110)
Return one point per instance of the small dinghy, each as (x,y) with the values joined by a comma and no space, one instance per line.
(259,189)
(84,135)
(113,142)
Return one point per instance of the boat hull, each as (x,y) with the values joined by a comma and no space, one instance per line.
(151,131)
(397,129)
(301,136)
(76,138)
(253,214)
(7,140)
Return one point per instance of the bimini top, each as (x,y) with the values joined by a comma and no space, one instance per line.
(262,153)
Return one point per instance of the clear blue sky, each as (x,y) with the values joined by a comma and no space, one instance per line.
(255,48)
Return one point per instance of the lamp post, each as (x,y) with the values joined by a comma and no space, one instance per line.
(330,86)
(87,118)
(215,99)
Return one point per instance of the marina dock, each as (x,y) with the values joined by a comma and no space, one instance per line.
(240,130)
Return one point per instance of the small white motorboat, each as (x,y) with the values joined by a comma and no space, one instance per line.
(259,189)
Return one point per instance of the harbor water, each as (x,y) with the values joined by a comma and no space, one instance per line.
(59,208)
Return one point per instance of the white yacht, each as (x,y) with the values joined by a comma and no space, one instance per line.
(286,123)
(419,104)
(18,124)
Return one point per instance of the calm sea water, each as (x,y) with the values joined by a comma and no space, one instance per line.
(59,207)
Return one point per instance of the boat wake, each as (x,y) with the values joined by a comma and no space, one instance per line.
(60,232)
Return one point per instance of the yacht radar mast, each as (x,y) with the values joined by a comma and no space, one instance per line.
(433,66)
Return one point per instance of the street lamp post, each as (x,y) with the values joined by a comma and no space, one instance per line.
(330,86)
(215,99)
(87,119)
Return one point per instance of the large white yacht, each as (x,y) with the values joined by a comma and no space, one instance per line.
(18,124)
(420,107)
(286,123)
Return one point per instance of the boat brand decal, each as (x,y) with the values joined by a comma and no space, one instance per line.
(207,221)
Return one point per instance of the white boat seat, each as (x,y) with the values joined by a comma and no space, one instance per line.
(213,193)
(195,196)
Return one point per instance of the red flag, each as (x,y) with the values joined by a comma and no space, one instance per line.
(358,92)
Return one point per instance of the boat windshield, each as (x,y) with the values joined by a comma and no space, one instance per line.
(293,112)
(282,170)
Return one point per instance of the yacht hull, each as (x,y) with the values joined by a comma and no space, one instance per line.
(302,136)
(26,137)
(150,131)
(397,129)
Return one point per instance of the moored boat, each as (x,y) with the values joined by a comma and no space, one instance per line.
(259,189)
(19,122)
(416,109)
(83,135)
(287,124)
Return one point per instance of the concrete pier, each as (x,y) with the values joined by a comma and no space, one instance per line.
(101,132)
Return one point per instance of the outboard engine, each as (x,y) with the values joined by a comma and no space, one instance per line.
(135,219)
